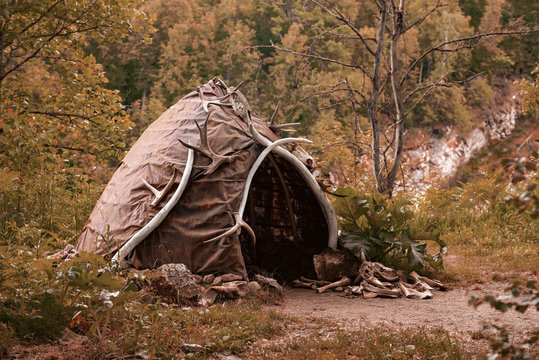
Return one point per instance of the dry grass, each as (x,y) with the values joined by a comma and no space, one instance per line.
(247,331)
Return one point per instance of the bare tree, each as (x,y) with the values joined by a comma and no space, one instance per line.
(388,106)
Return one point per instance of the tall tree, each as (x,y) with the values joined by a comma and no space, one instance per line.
(56,113)
(399,63)
(53,102)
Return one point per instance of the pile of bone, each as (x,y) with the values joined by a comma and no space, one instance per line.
(175,284)
(369,279)
(375,280)
(231,286)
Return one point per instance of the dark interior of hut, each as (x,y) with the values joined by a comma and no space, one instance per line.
(289,224)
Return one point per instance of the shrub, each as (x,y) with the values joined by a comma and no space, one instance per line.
(382,229)
(38,298)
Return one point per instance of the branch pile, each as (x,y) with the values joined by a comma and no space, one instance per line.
(370,280)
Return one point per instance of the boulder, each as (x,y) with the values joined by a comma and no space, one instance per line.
(333,264)
(174,283)
(267,282)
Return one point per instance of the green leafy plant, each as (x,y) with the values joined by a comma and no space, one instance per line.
(382,230)
(39,298)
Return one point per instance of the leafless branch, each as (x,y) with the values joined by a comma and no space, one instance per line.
(312,56)
(347,143)
(441,83)
(357,126)
(343,19)
(426,15)
(333,89)
(437,84)
(461,43)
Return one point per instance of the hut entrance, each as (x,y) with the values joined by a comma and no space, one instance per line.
(286,217)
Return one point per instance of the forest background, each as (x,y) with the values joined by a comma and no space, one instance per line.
(81,80)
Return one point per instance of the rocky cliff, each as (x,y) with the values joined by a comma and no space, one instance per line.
(434,156)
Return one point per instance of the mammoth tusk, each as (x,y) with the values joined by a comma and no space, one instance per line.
(159,195)
(140,235)
(325,205)
(258,162)
(238,216)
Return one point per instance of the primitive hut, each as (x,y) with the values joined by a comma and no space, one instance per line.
(206,185)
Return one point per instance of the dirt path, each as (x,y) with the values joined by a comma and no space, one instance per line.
(448,309)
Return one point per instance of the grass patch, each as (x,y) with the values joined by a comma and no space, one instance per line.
(484,232)
(160,331)
(326,342)
(249,331)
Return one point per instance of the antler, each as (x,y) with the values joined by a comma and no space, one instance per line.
(159,195)
(205,149)
(278,128)
(236,100)
(234,229)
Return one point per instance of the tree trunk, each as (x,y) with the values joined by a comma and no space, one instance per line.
(398,29)
(372,107)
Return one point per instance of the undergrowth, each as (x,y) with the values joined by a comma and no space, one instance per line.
(162,331)
(384,231)
(487,223)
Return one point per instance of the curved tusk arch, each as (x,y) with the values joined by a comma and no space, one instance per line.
(327,209)
(271,146)
(140,235)
(238,216)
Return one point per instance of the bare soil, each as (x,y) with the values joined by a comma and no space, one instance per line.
(448,309)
